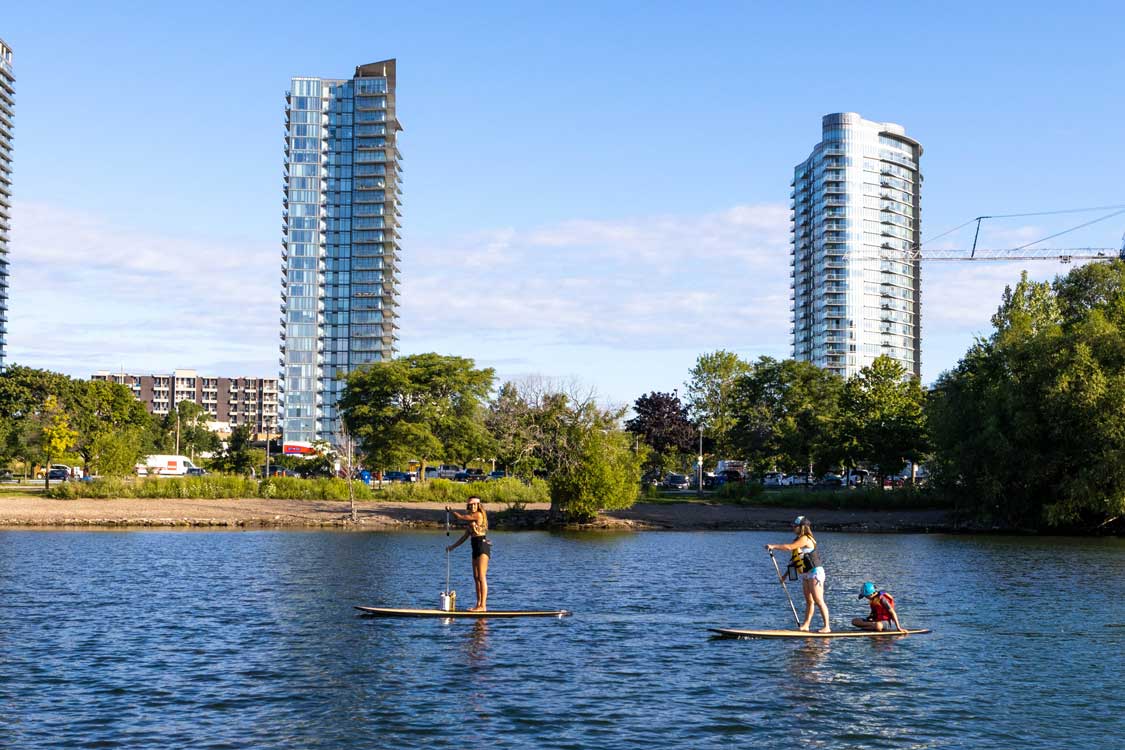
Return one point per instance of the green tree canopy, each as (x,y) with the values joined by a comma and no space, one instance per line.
(882,420)
(710,391)
(785,415)
(419,407)
(1029,428)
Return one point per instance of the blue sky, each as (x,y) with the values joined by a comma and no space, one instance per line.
(592,191)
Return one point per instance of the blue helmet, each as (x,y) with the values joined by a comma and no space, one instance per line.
(867,590)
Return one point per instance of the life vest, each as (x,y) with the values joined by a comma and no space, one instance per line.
(804,560)
(881,606)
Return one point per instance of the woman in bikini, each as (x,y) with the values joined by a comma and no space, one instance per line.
(806,563)
(482,548)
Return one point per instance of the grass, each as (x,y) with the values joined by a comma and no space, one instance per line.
(752,494)
(216,486)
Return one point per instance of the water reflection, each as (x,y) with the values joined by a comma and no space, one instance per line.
(476,647)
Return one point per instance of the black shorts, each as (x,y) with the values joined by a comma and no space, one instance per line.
(481,546)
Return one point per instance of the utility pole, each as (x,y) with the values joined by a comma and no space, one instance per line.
(267,451)
(699,466)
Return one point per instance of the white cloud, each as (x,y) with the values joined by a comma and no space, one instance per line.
(718,279)
(86,296)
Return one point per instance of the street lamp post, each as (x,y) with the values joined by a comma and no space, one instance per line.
(699,466)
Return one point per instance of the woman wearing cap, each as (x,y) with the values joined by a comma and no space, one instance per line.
(482,548)
(806,563)
(882,610)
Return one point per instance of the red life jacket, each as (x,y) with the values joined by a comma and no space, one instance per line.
(881,607)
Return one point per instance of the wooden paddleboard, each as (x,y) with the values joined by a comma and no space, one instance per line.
(731,633)
(459,613)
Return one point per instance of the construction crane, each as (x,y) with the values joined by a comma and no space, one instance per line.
(1020,253)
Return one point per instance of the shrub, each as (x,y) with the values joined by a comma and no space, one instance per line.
(214,486)
(506,491)
(740,493)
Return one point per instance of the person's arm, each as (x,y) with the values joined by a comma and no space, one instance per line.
(795,544)
(459,542)
(894,616)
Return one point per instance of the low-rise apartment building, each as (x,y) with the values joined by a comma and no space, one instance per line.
(233,401)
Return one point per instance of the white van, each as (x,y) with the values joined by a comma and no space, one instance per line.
(162,465)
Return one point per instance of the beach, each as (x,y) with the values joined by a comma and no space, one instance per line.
(35,511)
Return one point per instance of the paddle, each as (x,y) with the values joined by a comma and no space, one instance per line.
(447,552)
(785,589)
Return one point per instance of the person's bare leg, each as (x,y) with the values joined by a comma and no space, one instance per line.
(476,584)
(807,623)
(483,583)
(818,596)
(865,624)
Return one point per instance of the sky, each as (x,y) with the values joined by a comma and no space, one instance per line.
(596,192)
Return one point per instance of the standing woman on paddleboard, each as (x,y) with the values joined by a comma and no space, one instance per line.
(806,563)
(482,548)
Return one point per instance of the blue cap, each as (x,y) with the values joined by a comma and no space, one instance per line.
(868,590)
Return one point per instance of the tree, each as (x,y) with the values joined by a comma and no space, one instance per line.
(58,438)
(1029,427)
(184,430)
(422,406)
(882,417)
(509,420)
(709,395)
(604,475)
(661,421)
(239,457)
(785,415)
(111,423)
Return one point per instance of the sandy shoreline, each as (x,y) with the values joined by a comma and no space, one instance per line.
(31,511)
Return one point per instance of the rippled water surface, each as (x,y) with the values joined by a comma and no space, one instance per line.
(248,639)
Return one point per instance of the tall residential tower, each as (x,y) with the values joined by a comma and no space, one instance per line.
(340,245)
(7,104)
(856,217)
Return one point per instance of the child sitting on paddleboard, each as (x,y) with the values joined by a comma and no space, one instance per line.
(883,615)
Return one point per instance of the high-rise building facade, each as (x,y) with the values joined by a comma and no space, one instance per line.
(340,245)
(7,105)
(856,218)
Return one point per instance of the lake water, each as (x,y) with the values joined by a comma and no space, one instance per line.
(166,639)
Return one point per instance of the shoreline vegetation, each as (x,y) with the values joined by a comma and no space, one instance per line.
(30,511)
(514,505)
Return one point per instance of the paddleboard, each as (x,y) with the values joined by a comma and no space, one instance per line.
(459,613)
(731,633)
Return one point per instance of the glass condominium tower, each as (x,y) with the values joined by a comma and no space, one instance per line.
(856,216)
(7,104)
(340,243)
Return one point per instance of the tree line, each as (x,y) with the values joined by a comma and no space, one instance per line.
(1027,430)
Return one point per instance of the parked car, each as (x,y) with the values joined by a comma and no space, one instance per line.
(676,482)
(58,475)
(431,472)
(448,471)
(830,482)
(496,475)
(773,479)
(795,480)
(461,476)
(196,471)
(397,476)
